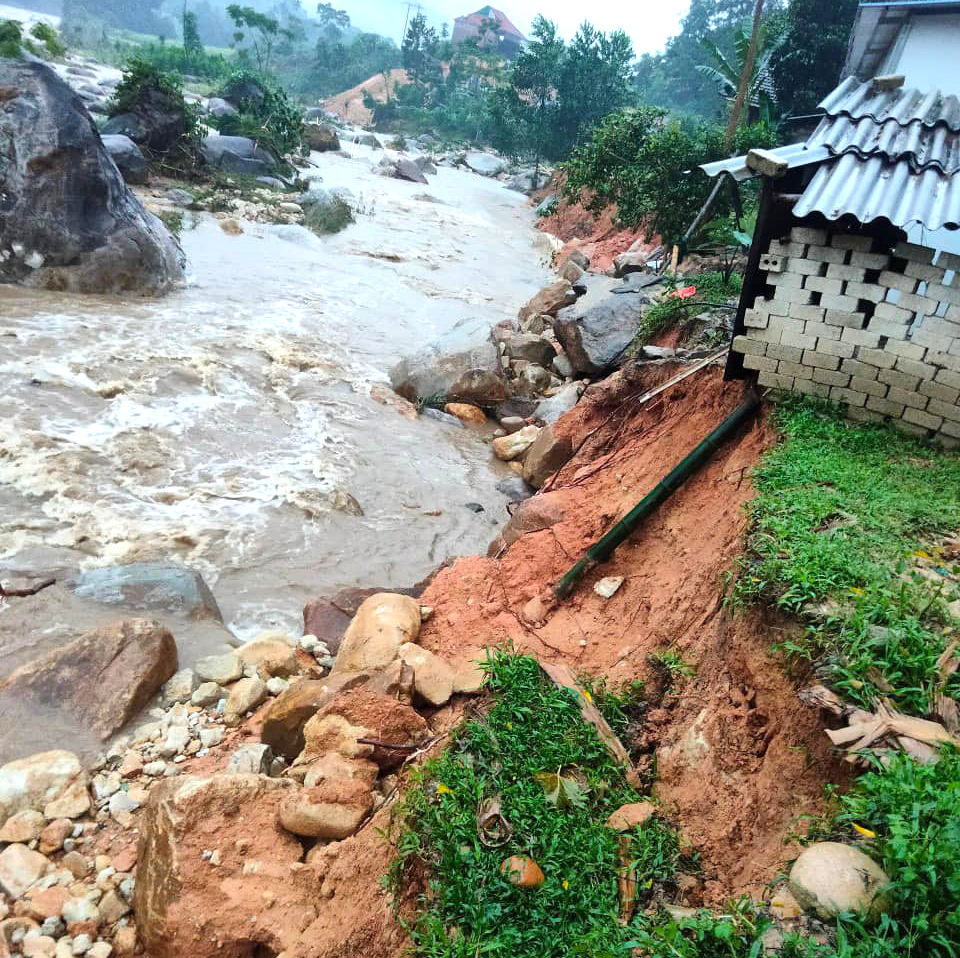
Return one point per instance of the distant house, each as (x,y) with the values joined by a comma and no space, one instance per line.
(491,27)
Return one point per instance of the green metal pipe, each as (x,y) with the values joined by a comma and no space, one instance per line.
(601,550)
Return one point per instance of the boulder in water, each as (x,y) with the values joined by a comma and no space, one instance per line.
(218,107)
(408,170)
(322,138)
(471,375)
(486,164)
(69,222)
(595,339)
(126,154)
(237,154)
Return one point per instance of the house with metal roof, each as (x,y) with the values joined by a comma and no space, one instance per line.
(852,288)
(489,26)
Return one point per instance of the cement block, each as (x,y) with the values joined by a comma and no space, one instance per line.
(859,244)
(848,396)
(922,336)
(856,273)
(901,380)
(939,391)
(922,305)
(810,387)
(794,280)
(790,353)
(822,284)
(803,234)
(869,386)
(885,406)
(786,248)
(926,274)
(907,397)
(898,281)
(914,367)
(948,377)
(893,313)
(797,370)
(951,429)
(756,319)
(950,360)
(772,262)
(749,346)
(760,363)
(944,294)
(871,292)
(914,253)
(908,429)
(804,266)
(800,340)
(846,304)
(775,381)
(946,410)
(870,260)
(879,358)
(828,254)
(822,331)
(899,347)
(820,360)
(858,368)
(842,317)
(789,294)
(949,261)
(831,347)
(861,337)
(920,418)
(942,326)
(859,414)
(810,314)
(888,328)
(831,377)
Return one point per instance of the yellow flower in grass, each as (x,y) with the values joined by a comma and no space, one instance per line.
(443,790)
(920,554)
(863,832)
(565,885)
(856,592)
(587,695)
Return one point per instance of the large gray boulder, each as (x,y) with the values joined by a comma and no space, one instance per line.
(471,375)
(218,107)
(529,181)
(126,154)
(486,164)
(409,170)
(596,338)
(154,586)
(67,219)
(237,154)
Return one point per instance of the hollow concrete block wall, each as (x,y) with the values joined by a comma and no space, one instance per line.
(875,330)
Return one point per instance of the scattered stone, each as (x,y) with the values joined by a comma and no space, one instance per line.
(563,367)
(549,301)
(630,816)
(268,656)
(54,835)
(73,803)
(231,227)
(546,456)
(23,827)
(486,164)
(595,338)
(126,154)
(514,445)
(830,878)
(471,375)
(407,169)
(607,587)
(515,489)
(382,624)
(550,410)
(180,687)
(210,737)
(277,685)
(76,864)
(156,586)
(321,138)
(469,679)
(332,810)
(466,412)
(433,678)
(154,769)
(222,669)
(125,662)
(175,741)
(532,348)
(250,760)
(237,154)
(244,697)
(523,872)
(20,867)
(571,272)
(206,694)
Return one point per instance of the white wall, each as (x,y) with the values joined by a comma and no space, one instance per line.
(927,52)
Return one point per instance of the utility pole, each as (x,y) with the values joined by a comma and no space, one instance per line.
(406,20)
(745,78)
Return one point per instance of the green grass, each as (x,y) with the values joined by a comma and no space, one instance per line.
(845,515)
(914,811)
(672,311)
(470,908)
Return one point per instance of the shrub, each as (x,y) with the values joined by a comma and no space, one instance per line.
(265,113)
(50,39)
(10,39)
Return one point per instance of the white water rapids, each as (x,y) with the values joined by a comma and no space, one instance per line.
(222,426)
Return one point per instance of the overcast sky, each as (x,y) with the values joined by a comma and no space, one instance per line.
(648,23)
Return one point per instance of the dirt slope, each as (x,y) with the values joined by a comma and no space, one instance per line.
(349,104)
(738,757)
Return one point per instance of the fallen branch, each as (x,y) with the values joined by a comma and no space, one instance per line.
(23,593)
(396,748)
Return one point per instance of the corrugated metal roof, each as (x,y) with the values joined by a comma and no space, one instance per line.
(855,99)
(892,155)
(923,147)
(873,189)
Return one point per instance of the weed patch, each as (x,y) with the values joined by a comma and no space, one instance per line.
(847,522)
(554,784)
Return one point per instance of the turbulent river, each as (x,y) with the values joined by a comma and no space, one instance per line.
(227,426)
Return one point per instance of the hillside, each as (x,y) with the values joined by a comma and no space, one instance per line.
(349,104)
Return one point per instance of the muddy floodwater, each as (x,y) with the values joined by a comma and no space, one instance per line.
(236,425)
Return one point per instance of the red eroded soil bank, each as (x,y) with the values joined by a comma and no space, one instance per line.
(739,758)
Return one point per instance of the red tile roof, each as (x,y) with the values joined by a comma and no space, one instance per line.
(492,13)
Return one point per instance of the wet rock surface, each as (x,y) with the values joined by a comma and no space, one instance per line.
(73,224)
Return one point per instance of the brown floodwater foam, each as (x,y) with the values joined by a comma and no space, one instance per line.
(227,426)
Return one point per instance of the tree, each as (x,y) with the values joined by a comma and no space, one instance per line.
(144,16)
(419,49)
(743,87)
(266,32)
(808,64)
(332,21)
(192,44)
